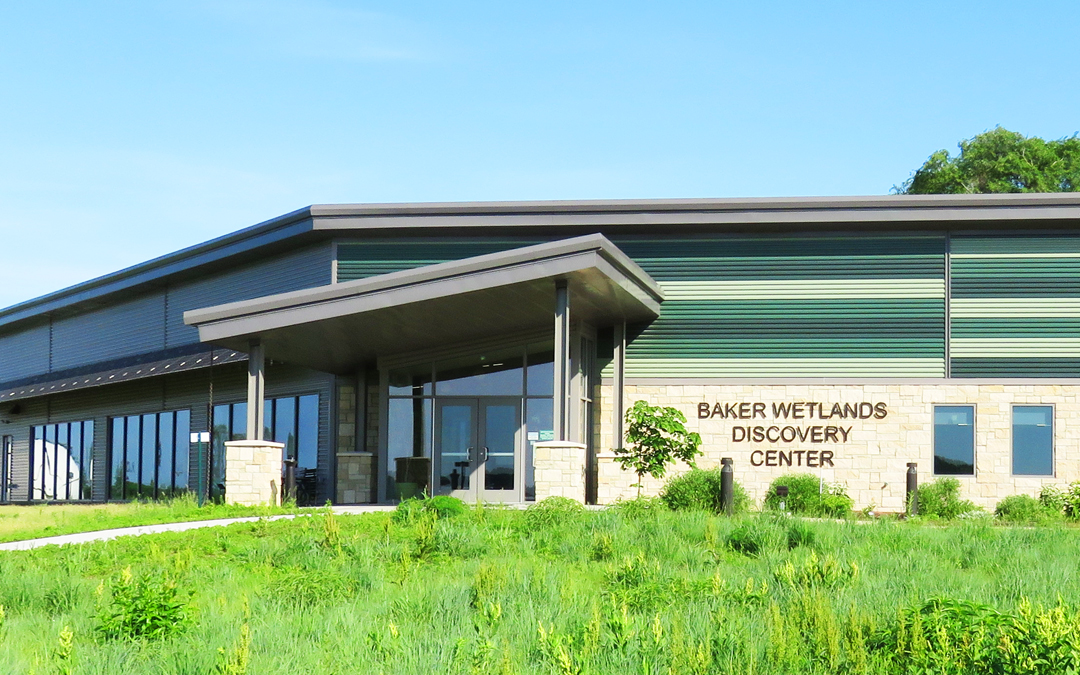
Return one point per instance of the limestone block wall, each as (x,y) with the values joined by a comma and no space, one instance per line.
(871,461)
(253,472)
(559,469)
(355,478)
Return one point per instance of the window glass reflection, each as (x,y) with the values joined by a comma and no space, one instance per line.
(1033,440)
(541,371)
(954,440)
(484,375)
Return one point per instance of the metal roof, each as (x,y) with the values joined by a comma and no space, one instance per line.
(326,221)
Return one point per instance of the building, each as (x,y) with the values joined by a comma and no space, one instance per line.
(486,350)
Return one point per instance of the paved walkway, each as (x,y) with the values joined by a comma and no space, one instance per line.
(105,535)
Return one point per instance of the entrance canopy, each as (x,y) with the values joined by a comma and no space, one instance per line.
(339,327)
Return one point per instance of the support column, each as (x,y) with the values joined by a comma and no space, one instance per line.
(561,415)
(618,368)
(256,393)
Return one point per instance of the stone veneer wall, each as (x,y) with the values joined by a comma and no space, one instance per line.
(253,472)
(356,478)
(559,470)
(346,418)
(872,463)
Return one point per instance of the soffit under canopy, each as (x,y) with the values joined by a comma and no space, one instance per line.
(339,327)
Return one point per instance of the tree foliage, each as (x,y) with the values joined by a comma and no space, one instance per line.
(656,437)
(1000,160)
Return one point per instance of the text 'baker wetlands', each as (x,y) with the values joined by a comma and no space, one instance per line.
(792,433)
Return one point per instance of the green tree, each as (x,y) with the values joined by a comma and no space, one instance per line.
(656,437)
(1000,160)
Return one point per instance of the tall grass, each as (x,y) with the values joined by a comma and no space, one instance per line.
(497,591)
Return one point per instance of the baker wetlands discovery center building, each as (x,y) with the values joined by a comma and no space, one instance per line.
(487,350)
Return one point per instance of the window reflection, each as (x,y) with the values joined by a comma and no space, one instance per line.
(1033,440)
(62,465)
(954,440)
(291,420)
(149,455)
(484,375)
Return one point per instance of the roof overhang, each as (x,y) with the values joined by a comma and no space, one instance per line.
(337,328)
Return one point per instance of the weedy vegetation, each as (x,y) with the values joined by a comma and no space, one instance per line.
(554,589)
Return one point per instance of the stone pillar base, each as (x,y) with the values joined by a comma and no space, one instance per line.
(253,473)
(355,477)
(559,470)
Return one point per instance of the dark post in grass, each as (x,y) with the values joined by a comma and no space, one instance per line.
(288,485)
(912,489)
(727,486)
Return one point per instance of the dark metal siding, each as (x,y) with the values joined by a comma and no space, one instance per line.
(123,329)
(24,353)
(306,268)
(153,321)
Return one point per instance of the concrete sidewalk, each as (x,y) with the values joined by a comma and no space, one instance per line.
(105,535)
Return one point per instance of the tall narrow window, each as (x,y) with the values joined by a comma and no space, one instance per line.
(1033,440)
(292,420)
(61,461)
(954,440)
(149,455)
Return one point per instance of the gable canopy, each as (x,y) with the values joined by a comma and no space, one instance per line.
(339,327)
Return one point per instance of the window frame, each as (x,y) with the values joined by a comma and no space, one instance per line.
(178,440)
(974,439)
(1053,440)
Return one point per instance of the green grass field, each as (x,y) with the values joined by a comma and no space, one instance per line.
(29,522)
(627,590)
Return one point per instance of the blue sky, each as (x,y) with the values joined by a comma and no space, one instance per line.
(131,129)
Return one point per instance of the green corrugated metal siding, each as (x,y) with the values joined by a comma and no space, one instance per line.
(1015,306)
(362,260)
(796,306)
(771,305)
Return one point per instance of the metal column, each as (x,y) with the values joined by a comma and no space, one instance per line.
(618,372)
(256,393)
(562,361)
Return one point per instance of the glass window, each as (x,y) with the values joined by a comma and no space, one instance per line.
(1033,440)
(411,380)
(954,440)
(149,455)
(409,435)
(539,426)
(541,370)
(62,465)
(291,420)
(484,375)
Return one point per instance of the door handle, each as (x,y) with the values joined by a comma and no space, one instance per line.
(469,454)
(483,454)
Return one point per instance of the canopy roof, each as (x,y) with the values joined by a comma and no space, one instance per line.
(337,328)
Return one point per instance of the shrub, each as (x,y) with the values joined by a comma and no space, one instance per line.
(1062,501)
(1023,509)
(807,495)
(941,499)
(700,489)
(445,506)
(409,511)
(146,608)
(552,511)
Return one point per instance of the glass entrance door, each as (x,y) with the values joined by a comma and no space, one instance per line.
(476,449)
